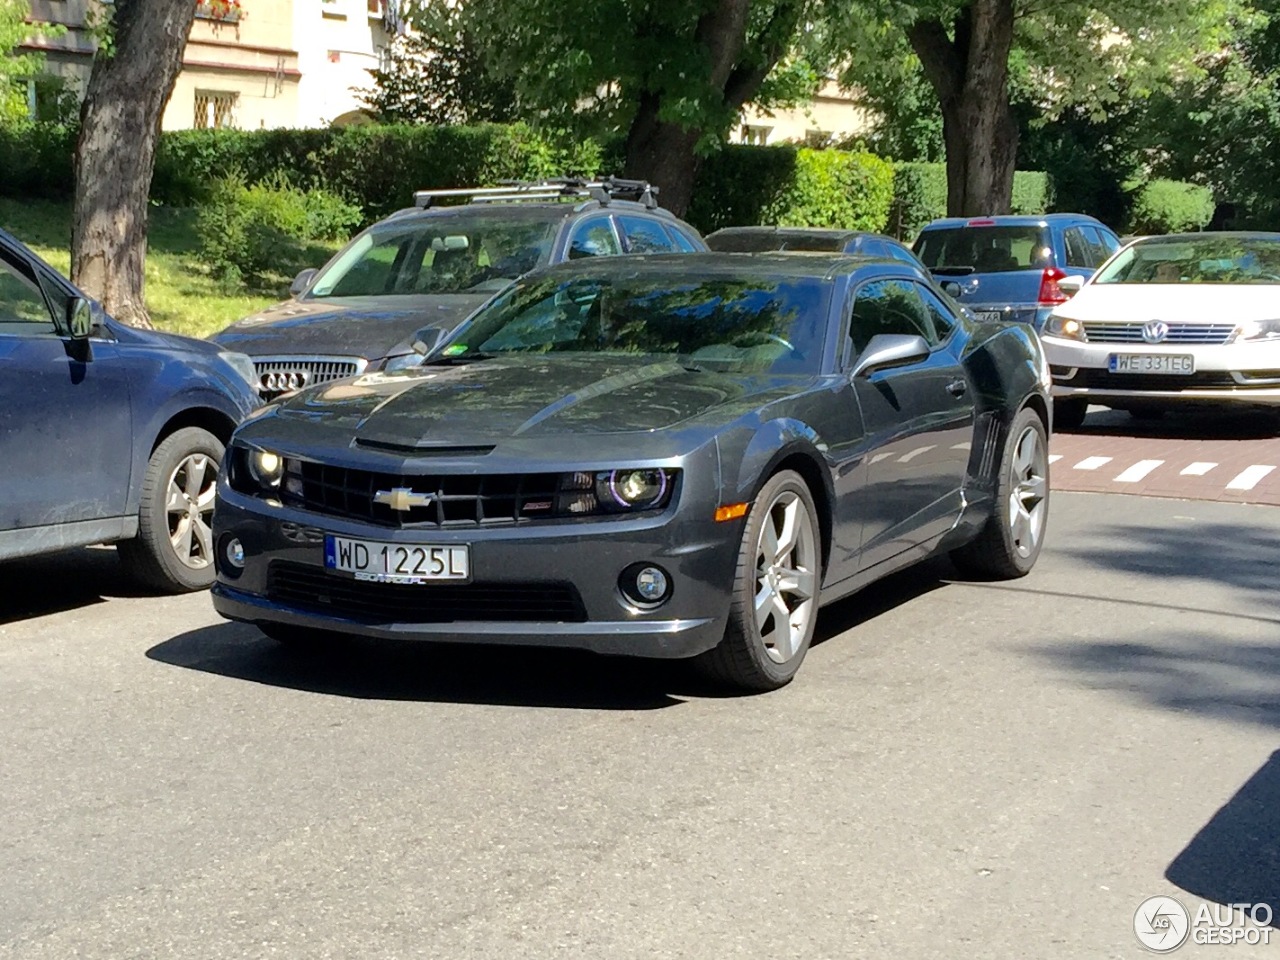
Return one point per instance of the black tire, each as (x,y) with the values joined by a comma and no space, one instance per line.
(151,558)
(742,659)
(1069,414)
(998,552)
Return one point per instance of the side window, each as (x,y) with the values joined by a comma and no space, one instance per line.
(593,238)
(890,307)
(1100,245)
(23,309)
(944,321)
(683,243)
(1078,252)
(645,236)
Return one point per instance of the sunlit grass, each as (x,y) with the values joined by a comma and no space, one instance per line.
(181,295)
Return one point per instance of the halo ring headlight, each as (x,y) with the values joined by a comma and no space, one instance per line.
(633,489)
(267,467)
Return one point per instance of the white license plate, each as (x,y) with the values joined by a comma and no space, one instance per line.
(397,562)
(990,316)
(1179,363)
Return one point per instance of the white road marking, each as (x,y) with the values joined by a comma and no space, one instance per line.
(1092,463)
(1055,457)
(1197,469)
(908,457)
(1138,471)
(881,456)
(1249,477)
(961,446)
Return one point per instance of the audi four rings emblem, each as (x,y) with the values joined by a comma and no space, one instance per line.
(1155,331)
(278,380)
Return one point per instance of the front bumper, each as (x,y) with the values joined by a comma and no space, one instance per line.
(582,557)
(1241,373)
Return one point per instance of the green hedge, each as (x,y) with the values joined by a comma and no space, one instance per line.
(36,160)
(791,186)
(1170,206)
(920,195)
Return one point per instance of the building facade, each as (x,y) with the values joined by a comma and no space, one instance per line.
(249,64)
(834,114)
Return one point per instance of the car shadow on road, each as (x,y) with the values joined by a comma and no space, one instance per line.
(1235,858)
(438,672)
(882,596)
(56,582)
(1192,424)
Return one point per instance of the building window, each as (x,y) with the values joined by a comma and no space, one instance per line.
(215,110)
(817,139)
(755,134)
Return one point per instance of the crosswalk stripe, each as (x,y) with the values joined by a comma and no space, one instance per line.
(1092,463)
(881,456)
(1138,471)
(961,446)
(1197,469)
(1055,457)
(1249,477)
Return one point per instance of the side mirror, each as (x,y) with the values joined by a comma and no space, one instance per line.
(1071,285)
(890,350)
(80,318)
(426,340)
(952,289)
(302,281)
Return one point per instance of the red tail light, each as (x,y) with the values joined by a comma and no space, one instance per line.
(1049,292)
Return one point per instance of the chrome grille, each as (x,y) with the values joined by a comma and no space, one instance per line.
(278,375)
(1178,332)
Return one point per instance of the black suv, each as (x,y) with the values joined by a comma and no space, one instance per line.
(434,263)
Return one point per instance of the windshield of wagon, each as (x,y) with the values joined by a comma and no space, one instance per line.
(1196,260)
(473,251)
(956,251)
(752,324)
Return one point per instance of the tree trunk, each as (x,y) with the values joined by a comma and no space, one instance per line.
(116,150)
(968,68)
(664,152)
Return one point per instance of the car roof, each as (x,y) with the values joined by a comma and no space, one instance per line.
(1012,220)
(796,264)
(1210,235)
(834,233)
(549,210)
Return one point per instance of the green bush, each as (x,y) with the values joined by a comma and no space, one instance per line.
(791,186)
(260,233)
(35,160)
(1170,206)
(920,195)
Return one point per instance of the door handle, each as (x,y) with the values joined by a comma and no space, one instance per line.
(957,388)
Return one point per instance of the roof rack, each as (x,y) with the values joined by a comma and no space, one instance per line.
(556,188)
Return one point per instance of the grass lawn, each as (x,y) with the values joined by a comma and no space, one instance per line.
(181,295)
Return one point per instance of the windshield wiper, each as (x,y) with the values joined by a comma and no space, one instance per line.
(457,360)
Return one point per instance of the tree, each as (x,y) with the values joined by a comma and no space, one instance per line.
(670,77)
(1078,52)
(130,84)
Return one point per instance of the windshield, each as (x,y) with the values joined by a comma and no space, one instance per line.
(476,251)
(963,250)
(759,241)
(1196,260)
(740,324)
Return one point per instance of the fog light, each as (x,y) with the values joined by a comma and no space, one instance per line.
(645,585)
(235,553)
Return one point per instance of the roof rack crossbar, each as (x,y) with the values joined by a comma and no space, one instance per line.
(602,191)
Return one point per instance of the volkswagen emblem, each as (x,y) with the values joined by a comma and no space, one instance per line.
(403,499)
(1155,331)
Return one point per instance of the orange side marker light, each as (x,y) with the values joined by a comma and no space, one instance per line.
(731,512)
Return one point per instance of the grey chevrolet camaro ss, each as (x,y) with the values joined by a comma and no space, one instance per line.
(670,456)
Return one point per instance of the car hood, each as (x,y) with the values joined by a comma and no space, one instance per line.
(522,397)
(368,327)
(1173,302)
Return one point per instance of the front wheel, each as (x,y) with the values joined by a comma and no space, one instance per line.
(173,552)
(1010,540)
(775,593)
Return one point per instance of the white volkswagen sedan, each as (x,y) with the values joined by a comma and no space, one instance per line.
(1192,318)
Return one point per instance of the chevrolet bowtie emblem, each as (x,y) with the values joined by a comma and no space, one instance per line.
(402,498)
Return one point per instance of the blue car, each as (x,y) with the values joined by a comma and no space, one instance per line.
(1009,267)
(109,434)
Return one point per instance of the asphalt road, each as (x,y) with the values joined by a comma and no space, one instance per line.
(961,770)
